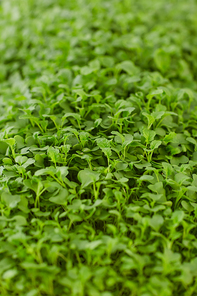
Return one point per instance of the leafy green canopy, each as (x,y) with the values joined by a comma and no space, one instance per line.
(98,148)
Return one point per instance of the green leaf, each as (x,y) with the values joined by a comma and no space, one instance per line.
(87,177)
(162,60)
(156,222)
(150,118)
(149,135)
(9,274)
(154,93)
(86,70)
(169,138)
(155,144)
(180,178)
(128,67)
(46,171)
(104,144)
(61,197)
(178,216)
(147,178)
(168,169)
(10,200)
(34,184)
